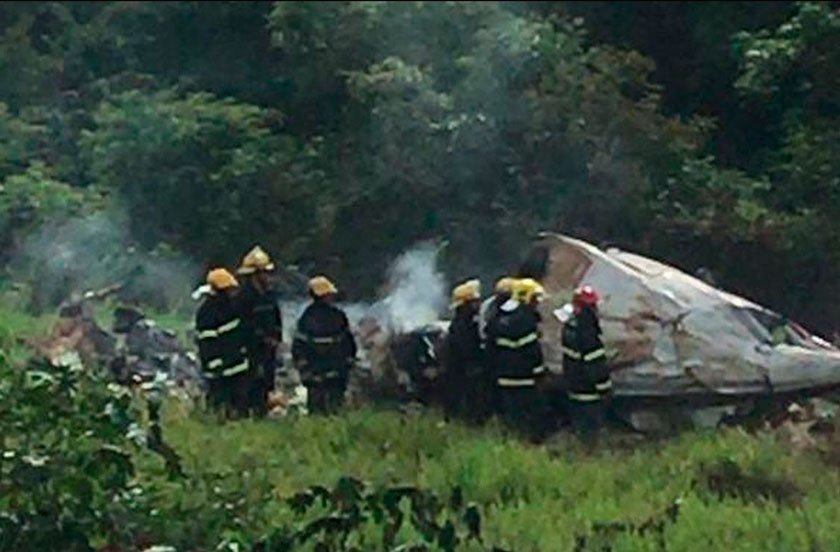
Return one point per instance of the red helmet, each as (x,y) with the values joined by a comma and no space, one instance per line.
(585,295)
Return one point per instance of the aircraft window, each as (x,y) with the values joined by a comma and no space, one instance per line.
(758,326)
(781,330)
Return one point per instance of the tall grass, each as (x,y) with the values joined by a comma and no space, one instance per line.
(532,497)
(547,497)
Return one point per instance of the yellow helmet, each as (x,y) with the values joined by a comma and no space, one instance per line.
(505,285)
(319,286)
(468,291)
(255,260)
(527,289)
(220,279)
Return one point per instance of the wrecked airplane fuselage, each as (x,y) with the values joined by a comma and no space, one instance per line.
(673,338)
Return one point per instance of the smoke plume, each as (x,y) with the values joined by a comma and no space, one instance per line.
(65,258)
(414,295)
(73,256)
(416,290)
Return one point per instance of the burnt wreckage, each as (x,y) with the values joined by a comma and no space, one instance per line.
(679,349)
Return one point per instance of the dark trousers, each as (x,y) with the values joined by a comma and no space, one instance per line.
(263,366)
(326,397)
(229,395)
(215,394)
(455,394)
(587,419)
(468,396)
(521,409)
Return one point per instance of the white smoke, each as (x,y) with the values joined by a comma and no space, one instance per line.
(414,295)
(72,256)
(416,290)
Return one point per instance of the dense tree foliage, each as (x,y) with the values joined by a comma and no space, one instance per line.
(338,133)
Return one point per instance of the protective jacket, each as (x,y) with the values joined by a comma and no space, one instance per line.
(463,345)
(468,389)
(488,311)
(584,359)
(323,348)
(221,345)
(262,320)
(515,352)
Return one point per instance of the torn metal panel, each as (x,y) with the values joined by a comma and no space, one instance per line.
(672,335)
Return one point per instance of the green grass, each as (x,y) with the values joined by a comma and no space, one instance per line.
(16,325)
(532,497)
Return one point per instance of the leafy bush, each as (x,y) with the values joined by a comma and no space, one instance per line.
(69,481)
(66,470)
(351,506)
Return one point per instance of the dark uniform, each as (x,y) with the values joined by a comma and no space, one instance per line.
(489,310)
(487,313)
(263,328)
(586,372)
(324,351)
(465,379)
(221,349)
(517,363)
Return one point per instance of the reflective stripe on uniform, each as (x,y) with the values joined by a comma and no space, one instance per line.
(300,336)
(232,325)
(538,370)
(604,385)
(215,363)
(592,355)
(515,382)
(224,328)
(571,353)
(517,343)
(233,370)
(584,397)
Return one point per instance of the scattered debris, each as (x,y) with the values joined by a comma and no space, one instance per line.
(282,403)
(77,331)
(148,349)
(136,349)
(807,426)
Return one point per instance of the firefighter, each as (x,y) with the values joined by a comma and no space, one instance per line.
(584,365)
(464,377)
(490,307)
(323,349)
(517,361)
(263,326)
(221,345)
(487,312)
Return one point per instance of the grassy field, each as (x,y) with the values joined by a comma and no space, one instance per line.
(532,497)
(737,491)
